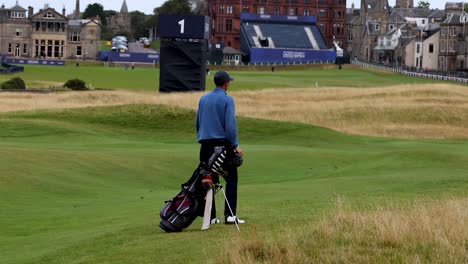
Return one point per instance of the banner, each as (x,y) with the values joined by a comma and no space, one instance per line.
(113,56)
(266,55)
(35,62)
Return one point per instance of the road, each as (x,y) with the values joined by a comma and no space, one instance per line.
(138,47)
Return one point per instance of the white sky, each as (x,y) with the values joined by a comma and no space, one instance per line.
(146,6)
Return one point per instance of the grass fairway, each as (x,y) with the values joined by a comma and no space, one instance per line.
(86,185)
(246,78)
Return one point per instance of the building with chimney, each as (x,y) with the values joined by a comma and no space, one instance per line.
(404,4)
(47,34)
(373,20)
(225,17)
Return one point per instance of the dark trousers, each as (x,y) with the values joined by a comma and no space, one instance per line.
(206,150)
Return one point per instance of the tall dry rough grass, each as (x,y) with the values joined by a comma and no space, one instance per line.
(438,111)
(424,232)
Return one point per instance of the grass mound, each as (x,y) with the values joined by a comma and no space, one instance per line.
(423,232)
(85,185)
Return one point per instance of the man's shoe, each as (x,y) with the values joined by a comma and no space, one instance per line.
(233,220)
(215,221)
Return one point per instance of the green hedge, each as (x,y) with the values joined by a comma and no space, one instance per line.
(76,85)
(14,84)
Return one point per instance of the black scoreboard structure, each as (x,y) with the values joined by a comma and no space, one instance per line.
(183,56)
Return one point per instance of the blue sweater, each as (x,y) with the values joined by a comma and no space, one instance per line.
(216,117)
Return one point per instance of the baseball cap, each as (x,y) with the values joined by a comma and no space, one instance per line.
(222,77)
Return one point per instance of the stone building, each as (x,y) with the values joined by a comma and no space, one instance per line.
(47,34)
(453,47)
(372,21)
(404,4)
(120,23)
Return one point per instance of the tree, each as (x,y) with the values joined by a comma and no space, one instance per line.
(466,7)
(423,4)
(109,13)
(138,24)
(95,10)
(174,7)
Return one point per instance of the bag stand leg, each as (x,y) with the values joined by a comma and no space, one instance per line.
(220,187)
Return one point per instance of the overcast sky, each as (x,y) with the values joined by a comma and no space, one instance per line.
(146,6)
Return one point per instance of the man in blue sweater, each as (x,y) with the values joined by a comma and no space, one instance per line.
(217,126)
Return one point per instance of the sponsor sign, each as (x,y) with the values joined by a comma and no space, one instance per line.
(35,62)
(266,55)
(112,56)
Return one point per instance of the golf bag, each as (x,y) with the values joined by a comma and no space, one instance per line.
(180,211)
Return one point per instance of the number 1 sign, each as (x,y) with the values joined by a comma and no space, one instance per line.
(184,26)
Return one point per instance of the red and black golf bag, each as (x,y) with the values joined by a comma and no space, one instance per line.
(179,212)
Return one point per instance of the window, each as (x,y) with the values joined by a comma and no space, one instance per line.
(221,9)
(78,51)
(377,26)
(245,9)
(18,32)
(442,63)
(453,31)
(75,36)
(443,43)
(443,32)
(17,14)
(228,24)
(25,48)
(276,10)
(49,48)
(418,47)
(306,1)
(322,13)
(56,48)
(261,10)
(229,10)
(423,22)
(9,48)
(431,48)
(292,11)
(306,12)
(391,27)
(49,15)
(454,46)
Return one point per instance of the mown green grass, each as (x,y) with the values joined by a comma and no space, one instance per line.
(147,78)
(86,185)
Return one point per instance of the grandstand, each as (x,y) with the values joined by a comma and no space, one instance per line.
(282,39)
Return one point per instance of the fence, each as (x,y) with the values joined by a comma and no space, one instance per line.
(411,73)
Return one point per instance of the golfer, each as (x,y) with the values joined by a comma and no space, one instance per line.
(217,126)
